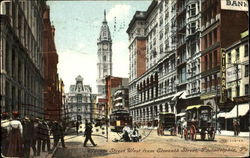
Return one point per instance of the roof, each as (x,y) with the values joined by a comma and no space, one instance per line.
(164,113)
(196,106)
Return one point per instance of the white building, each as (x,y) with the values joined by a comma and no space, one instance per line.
(104,64)
(79,101)
(193,51)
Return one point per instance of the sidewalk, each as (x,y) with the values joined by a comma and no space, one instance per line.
(231,133)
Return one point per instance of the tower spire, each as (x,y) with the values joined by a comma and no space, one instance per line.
(104,16)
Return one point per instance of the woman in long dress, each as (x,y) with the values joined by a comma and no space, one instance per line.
(15,148)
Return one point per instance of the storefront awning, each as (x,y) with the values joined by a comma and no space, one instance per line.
(221,114)
(177,95)
(242,111)
(117,92)
(119,98)
(118,104)
(181,114)
(183,95)
(193,106)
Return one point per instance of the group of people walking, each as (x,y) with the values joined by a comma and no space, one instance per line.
(19,135)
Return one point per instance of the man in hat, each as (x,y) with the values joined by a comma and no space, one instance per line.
(28,136)
(5,129)
(41,135)
(46,140)
(87,134)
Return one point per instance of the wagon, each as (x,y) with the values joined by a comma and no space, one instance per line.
(167,122)
(199,121)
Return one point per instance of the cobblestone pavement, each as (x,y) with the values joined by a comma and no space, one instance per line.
(153,146)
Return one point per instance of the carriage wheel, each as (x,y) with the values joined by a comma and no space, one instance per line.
(185,133)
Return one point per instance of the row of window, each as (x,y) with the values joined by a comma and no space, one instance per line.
(237,90)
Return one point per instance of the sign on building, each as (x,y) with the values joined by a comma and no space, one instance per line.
(223,75)
(238,5)
(231,74)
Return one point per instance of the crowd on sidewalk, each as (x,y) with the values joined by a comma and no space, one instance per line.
(19,135)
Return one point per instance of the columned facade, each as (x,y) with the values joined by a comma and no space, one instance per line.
(21,57)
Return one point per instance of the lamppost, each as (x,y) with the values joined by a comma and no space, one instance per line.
(64,107)
(77,105)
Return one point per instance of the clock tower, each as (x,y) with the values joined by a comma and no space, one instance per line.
(104,64)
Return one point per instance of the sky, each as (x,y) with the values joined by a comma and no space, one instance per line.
(78,24)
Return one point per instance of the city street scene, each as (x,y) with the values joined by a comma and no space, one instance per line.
(124,78)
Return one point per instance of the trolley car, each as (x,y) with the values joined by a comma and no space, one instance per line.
(167,122)
(199,121)
(118,119)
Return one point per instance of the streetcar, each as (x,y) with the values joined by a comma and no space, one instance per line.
(199,121)
(118,120)
(167,122)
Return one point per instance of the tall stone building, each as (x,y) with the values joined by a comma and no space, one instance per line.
(52,85)
(152,89)
(104,64)
(21,57)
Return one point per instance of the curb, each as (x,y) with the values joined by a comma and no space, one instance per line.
(232,136)
(53,152)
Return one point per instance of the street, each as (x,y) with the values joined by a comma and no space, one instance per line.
(154,146)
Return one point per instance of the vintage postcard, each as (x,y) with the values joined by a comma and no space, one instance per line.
(124,78)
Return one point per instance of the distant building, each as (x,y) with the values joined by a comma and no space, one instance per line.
(21,58)
(80,101)
(104,64)
(112,85)
(120,99)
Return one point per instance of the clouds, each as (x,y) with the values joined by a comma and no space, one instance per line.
(118,11)
(120,59)
(77,61)
(77,29)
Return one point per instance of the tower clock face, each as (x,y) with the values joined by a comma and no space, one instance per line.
(105,46)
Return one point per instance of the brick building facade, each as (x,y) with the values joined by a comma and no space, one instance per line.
(219,29)
(52,84)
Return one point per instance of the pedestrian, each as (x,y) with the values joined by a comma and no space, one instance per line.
(219,127)
(135,136)
(57,132)
(77,127)
(238,127)
(28,136)
(5,129)
(126,132)
(62,131)
(41,135)
(15,148)
(46,140)
(87,134)
(235,127)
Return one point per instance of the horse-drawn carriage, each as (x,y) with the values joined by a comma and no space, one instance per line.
(167,122)
(199,121)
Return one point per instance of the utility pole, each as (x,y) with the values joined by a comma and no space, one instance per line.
(237,87)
